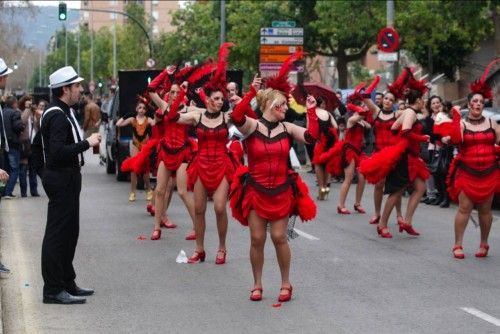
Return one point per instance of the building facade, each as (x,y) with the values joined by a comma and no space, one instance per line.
(158,13)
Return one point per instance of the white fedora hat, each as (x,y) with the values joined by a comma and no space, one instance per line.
(4,70)
(63,77)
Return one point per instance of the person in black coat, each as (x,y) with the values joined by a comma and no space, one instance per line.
(63,154)
(13,127)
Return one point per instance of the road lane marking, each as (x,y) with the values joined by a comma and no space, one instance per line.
(305,235)
(482,315)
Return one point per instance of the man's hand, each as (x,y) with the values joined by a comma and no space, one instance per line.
(94,139)
(235,99)
(256,83)
(4,177)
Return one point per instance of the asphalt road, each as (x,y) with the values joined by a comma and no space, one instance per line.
(346,279)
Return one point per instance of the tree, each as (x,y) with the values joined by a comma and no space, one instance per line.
(343,29)
(196,37)
(448,31)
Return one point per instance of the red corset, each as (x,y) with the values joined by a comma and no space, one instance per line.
(268,158)
(211,143)
(175,134)
(355,136)
(478,149)
(383,134)
(414,146)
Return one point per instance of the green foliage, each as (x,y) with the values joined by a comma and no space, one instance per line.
(441,34)
(196,37)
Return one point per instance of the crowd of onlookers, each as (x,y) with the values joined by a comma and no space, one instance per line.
(21,121)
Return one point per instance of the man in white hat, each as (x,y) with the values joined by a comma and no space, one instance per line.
(4,145)
(63,150)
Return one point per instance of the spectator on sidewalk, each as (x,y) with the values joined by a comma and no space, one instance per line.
(31,124)
(4,147)
(13,128)
(92,115)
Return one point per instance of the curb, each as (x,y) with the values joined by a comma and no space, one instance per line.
(1,312)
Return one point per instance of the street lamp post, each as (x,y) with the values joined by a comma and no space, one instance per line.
(65,45)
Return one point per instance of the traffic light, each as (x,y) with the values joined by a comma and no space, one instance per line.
(62,11)
(99,84)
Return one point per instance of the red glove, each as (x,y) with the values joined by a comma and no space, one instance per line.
(160,78)
(368,91)
(173,113)
(355,108)
(456,130)
(415,137)
(243,108)
(312,132)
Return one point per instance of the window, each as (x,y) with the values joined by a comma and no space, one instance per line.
(155,14)
(112,16)
(154,2)
(155,29)
(112,3)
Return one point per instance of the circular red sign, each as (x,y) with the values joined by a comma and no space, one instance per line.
(388,40)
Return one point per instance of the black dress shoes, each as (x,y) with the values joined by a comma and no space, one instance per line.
(63,297)
(77,291)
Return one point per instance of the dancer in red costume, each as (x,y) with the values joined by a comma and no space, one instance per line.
(211,170)
(141,125)
(474,175)
(174,152)
(383,119)
(268,192)
(346,155)
(328,136)
(400,164)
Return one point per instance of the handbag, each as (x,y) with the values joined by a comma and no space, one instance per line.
(440,161)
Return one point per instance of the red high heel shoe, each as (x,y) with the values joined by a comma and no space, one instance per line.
(256,296)
(484,253)
(156,235)
(197,257)
(343,211)
(151,209)
(221,260)
(383,234)
(167,224)
(374,220)
(191,236)
(359,208)
(286,297)
(408,228)
(458,255)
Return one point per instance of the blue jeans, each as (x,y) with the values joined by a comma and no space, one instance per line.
(13,157)
(24,171)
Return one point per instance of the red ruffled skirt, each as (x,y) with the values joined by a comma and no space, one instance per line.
(140,163)
(210,174)
(245,197)
(478,188)
(172,161)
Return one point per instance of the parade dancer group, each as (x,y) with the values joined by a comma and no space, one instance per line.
(267,192)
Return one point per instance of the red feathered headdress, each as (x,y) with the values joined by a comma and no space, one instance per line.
(218,80)
(420,85)
(280,81)
(398,87)
(480,86)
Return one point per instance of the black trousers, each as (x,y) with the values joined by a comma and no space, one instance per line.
(61,233)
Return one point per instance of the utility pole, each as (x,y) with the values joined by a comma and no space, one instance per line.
(114,47)
(65,45)
(78,51)
(91,47)
(222,21)
(393,66)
